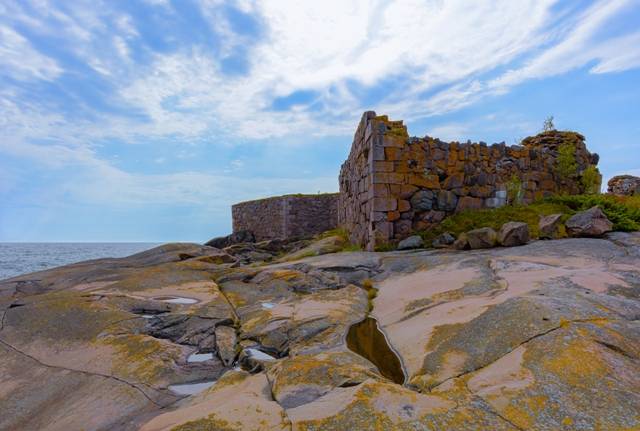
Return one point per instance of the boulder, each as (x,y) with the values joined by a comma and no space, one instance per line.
(624,185)
(422,200)
(443,240)
(413,241)
(462,243)
(591,223)
(482,238)
(549,226)
(513,233)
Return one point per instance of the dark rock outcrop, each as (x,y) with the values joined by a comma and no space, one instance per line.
(234,238)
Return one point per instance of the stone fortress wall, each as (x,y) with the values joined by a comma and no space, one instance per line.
(392,184)
(286,217)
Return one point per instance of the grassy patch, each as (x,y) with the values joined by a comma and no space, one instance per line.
(494,218)
(623,211)
(343,234)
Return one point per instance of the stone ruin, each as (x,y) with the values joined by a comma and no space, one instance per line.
(392,185)
(624,185)
(286,217)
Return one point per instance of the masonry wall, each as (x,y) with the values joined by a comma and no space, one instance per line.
(287,217)
(392,185)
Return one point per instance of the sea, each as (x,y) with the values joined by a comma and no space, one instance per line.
(21,258)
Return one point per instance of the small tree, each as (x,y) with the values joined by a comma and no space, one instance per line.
(567,166)
(591,180)
(548,125)
(514,190)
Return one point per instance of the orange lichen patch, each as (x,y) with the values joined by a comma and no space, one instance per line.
(409,332)
(322,369)
(502,380)
(576,363)
(525,413)
(242,405)
(286,274)
(235,299)
(371,405)
(141,358)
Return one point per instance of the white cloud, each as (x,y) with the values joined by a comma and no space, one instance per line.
(20,60)
(445,50)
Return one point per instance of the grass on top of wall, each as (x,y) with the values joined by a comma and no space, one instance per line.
(623,211)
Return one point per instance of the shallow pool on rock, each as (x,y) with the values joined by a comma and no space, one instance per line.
(368,341)
(190,388)
(176,299)
(199,357)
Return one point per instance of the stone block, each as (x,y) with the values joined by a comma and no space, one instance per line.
(424,181)
(388,178)
(393,215)
(407,190)
(385,204)
(392,153)
(393,141)
(468,203)
(447,201)
(453,181)
(422,200)
(403,205)
(383,166)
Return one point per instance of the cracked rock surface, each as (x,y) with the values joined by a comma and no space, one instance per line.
(545,336)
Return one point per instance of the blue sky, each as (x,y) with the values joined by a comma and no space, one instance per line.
(145,120)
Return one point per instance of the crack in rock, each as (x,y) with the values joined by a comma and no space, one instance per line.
(105,376)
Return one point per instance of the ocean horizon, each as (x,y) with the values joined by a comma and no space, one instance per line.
(18,258)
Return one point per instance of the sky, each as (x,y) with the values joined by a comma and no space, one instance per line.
(127,120)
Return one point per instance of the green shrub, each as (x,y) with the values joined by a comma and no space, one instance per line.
(567,166)
(623,211)
(591,180)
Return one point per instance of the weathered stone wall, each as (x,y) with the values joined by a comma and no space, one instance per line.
(356,183)
(287,217)
(392,185)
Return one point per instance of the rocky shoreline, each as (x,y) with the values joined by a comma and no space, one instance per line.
(541,336)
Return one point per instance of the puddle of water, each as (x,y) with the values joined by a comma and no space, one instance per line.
(190,388)
(268,305)
(199,357)
(176,299)
(368,341)
(259,355)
